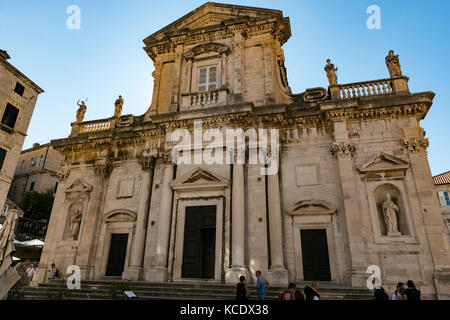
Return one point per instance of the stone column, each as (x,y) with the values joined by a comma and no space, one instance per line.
(238,267)
(354,225)
(134,272)
(277,273)
(430,211)
(159,269)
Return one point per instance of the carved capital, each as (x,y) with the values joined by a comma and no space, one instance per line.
(166,158)
(416,145)
(147,163)
(103,169)
(63,174)
(342,149)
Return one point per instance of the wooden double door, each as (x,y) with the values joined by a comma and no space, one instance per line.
(199,246)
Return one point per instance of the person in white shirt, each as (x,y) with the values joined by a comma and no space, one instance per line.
(29,273)
(397,294)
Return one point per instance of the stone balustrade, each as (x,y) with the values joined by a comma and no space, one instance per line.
(202,99)
(366,89)
(95,126)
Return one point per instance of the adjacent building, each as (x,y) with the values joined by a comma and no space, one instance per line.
(37,170)
(442,184)
(352,186)
(18,96)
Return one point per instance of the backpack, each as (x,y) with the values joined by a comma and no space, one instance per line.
(280,297)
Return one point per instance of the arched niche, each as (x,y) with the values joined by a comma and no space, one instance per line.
(381,192)
(74,219)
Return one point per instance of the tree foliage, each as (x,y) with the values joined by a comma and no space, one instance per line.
(37,205)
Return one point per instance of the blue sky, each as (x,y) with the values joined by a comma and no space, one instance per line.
(105,58)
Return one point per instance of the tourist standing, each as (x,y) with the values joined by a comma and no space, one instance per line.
(411,292)
(397,295)
(289,293)
(29,273)
(241,289)
(261,285)
(312,292)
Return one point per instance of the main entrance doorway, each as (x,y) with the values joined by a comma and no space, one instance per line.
(199,242)
(117,254)
(316,261)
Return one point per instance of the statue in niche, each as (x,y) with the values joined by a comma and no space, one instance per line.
(331,73)
(75,222)
(393,64)
(390,212)
(81,111)
(118,107)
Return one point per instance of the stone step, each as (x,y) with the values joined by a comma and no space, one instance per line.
(110,289)
(188,285)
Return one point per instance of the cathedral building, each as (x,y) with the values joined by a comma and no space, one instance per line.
(351,186)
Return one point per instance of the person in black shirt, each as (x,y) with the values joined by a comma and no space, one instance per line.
(411,292)
(241,289)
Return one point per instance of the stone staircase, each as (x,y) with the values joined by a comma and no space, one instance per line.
(113,290)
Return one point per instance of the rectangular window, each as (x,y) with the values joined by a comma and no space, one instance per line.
(10,116)
(23,166)
(207,79)
(32,162)
(32,186)
(444,198)
(19,89)
(2,157)
(41,160)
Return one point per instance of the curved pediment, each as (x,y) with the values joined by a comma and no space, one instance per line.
(207,48)
(311,207)
(120,215)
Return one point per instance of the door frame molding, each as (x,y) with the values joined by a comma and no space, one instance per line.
(179,236)
(313,214)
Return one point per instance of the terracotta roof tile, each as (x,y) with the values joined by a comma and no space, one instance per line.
(443,178)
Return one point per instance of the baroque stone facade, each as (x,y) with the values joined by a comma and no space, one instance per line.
(353,188)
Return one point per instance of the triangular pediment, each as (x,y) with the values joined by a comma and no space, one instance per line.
(383,162)
(79,185)
(211,14)
(199,178)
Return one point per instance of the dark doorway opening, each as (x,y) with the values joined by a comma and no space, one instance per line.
(117,254)
(199,247)
(316,261)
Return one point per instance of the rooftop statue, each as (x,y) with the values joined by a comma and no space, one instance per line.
(393,64)
(118,107)
(331,73)
(81,111)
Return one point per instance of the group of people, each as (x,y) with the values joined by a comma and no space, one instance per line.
(29,273)
(401,293)
(262,286)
